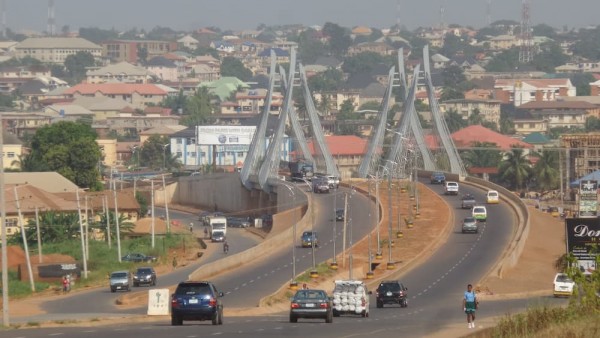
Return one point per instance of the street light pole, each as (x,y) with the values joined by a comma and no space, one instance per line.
(165,155)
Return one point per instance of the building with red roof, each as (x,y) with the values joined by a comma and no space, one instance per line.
(470,135)
(138,94)
(347,151)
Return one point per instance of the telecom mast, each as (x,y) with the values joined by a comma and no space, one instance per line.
(525,53)
(3,18)
(488,13)
(51,23)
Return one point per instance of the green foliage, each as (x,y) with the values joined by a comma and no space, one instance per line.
(451,93)
(454,121)
(515,170)
(544,30)
(200,50)
(364,62)
(22,62)
(546,170)
(556,132)
(76,65)
(582,81)
(231,66)
(142,55)
(505,61)
(174,102)
(98,35)
(587,43)
(310,47)
(6,102)
(481,157)
(156,153)
(329,80)
(198,108)
(143,202)
(549,57)
(453,75)
(68,148)
(507,126)
(19,289)
(339,38)
(592,123)
(347,113)
(54,227)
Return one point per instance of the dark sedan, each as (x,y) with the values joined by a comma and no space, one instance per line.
(311,304)
(144,275)
(138,257)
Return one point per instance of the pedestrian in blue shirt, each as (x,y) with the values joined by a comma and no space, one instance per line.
(470,304)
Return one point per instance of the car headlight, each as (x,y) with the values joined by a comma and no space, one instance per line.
(135,277)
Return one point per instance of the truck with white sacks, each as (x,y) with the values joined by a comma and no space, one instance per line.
(350,297)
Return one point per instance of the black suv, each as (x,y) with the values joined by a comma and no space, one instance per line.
(391,292)
(196,301)
(144,275)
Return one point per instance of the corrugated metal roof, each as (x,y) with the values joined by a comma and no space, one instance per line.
(54,42)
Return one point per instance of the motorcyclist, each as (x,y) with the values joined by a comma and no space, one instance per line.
(225,247)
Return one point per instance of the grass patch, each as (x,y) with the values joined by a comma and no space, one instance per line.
(103,260)
(31,324)
(323,270)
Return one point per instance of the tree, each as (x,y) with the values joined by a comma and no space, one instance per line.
(587,43)
(454,121)
(201,50)
(198,108)
(143,202)
(453,75)
(505,61)
(364,62)
(475,118)
(55,227)
(69,148)
(507,126)
(125,225)
(582,81)
(451,93)
(154,154)
(329,80)
(175,103)
(231,66)
(481,157)
(142,55)
(515,170)
(592,123)
(98,35)
(544,30)
(310,47)
(6,102)
(77,64)
(339,38)
(347,113)
(546,170)
(549,57)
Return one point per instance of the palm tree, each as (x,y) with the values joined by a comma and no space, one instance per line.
(54,227)
(124,224)
(475,117)
(516,168)
(454,121)
(546,170)
(482,158)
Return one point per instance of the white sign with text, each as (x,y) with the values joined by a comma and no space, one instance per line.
(158,302)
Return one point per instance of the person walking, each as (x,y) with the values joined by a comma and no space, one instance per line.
(191,226)
(225,247)
(470,304)
(65,284)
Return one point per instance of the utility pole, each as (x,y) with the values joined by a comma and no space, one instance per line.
(344,230)
(24,237)
(152,188)
(117,220)
(166,205)
(83,254)
(5,303)
(107,213)
(39,237)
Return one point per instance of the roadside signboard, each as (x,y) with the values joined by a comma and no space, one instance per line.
(583,239)
(588,198)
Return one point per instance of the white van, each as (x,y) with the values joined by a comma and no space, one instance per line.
(451,188)
(493,197)
(217,223)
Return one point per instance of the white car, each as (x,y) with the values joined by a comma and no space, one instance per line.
(563,285)
(451,188)
(493,197)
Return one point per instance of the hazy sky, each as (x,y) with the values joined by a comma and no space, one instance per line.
(247,14)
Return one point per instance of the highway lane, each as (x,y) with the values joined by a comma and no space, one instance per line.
(435,294)
(245,286)
(100,301)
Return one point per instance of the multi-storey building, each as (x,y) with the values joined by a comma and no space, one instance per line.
(489,109)
(55,50)
(521,91)
(128,50)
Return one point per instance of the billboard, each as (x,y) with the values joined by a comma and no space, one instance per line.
(588,198)
(225,135)
(583,238)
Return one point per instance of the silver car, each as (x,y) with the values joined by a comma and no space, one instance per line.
(120,280)
(470,225)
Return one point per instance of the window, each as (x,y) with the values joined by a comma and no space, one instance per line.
(179,154)
(179,141)
(192,154)
(240,154)
(10,154)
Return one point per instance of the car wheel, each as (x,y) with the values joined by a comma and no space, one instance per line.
(215,318)
(329,318)
(175,320)
(335,313)
(221,318)
(379,305)
(293,319)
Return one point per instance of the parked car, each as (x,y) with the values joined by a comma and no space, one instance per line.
(138,257)
(333,181)
(144,275)
(563,285)
(120,280)
(470,225)
(438,178)
(311,304)
(479,212)
(196,301)
(493,197)
(391,292)
(307,239)
(339,214)
(218,236)
(468,201)
(451,188)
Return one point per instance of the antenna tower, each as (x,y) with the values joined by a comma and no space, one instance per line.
(398,14)
(3,17)
(525,54)
(442,14)
(51,23)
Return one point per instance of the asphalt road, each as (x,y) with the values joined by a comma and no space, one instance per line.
(435,288)
(100,301)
